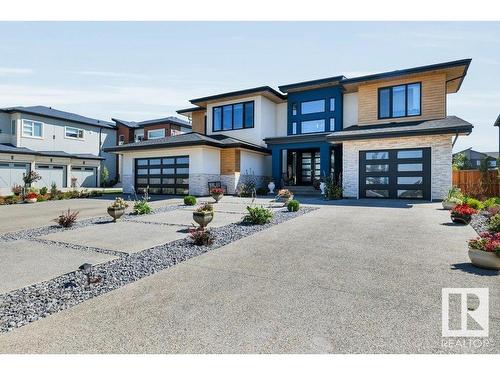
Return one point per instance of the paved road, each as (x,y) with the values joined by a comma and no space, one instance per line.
(23,216)
(342,279)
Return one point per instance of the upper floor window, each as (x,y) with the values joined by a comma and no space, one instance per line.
(294,109)
(332,104)
(399,101)
(312,126)
(75,133)
(32,129)
(313,106)
(156,133)
(121,139)
(13,127)
(233,116)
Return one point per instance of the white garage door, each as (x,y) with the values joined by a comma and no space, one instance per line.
(85,176)
(12,174)
(51,174)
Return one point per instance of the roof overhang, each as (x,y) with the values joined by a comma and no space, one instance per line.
(266,91)
(455,73)
(310,85)
(293,139)
(189,111)
(452,126)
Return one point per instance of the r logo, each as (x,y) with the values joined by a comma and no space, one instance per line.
(479,314)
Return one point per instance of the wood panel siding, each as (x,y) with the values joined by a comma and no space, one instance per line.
(198,122)
(433,104)
(230,160)
(128,134)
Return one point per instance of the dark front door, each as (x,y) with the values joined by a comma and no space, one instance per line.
(402,173)
(304,166)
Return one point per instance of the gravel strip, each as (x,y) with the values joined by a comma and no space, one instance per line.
(480,222)
(37,301)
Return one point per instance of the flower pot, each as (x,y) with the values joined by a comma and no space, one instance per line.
(484,259)
(116,213)
(271,187)
(449,205)
(217,197)
(30,200)
(461,219)
(322,187)
(203,218)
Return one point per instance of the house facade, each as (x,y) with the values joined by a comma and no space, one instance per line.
(64,148)
(384,135)
(473,159)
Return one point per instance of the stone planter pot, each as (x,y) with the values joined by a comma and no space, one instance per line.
(116,213)
(217,197)
(30,200)
(203,218)
(484,259)
(271,186)
(448,205)
(461,219)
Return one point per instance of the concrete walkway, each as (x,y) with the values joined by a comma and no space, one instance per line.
(342,279)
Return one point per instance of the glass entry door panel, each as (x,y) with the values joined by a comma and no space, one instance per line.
(306,162)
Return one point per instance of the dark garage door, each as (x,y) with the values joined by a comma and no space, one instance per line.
(165,175)
(401,173)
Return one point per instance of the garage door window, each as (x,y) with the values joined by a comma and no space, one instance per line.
(403,173)
(168,175)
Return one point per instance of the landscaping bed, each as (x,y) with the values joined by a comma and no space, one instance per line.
(31,303)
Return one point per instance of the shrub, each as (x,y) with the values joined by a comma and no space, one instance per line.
(67,219)
(489,242)
(142,207)
(246,189)
(119,204)
(53,191)
(31,177)
(333,188)
(258,215)
(104,175)
(17,189)
(454,192)
(490,202)
(494,224)
(262,191)
(293,205)
(11,199)
(41,198)
(494,210)
(189,200)
(205,207)
(44,190)
(474,203)
(65,195)
(284,193)
(201,236)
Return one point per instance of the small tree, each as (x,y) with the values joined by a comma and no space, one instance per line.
(460,161)
(104,175)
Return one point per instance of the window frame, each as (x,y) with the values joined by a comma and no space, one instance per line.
(232,105)
(155,130)
(312,101)
(13,127)
(391,101)
(23,123)
(78,130)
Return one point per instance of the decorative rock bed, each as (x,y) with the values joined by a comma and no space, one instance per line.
(480,222)
(34,302)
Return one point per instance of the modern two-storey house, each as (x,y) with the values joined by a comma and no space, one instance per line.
(64,148)
(384,135)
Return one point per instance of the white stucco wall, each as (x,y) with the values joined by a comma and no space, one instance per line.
(350,109)
(441,155)
(265,117)
(281,120)
(255,163)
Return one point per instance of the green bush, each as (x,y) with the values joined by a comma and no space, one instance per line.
(41,198)
(490,202)
(474,203)
(142,207)
(258,215)
(262,191)
(293,205)
(43,190)
(189,200)
(494,225)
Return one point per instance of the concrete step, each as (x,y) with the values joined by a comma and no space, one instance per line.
(303,190)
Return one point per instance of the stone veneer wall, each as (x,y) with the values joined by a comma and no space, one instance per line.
(198,183)
(441,159)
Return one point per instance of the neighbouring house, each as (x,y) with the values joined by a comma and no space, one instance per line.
(474,158)
(497,124)
(63,147)
(385,135)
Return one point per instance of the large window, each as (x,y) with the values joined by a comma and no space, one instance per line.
(32,129)
(233,116)
(314,106)
(156,133)
(312,126)
(399,101)
(75,133)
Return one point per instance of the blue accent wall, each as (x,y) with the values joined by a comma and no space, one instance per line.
(316,94)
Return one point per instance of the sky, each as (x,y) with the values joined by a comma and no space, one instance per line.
(144,70)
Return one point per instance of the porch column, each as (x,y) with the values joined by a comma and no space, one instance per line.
(277,160)
(324,151)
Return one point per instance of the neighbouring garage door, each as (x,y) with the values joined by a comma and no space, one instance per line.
(166,175)
(402,173)
(51,174)
(12,174)
(85,176)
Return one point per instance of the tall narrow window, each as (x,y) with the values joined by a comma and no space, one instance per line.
(249,114)
(332,104)
(294,128)
(384,103)
(238,116)
(13,127)
(413,99)
(398,101)
(332,123)
(217,118)
(227,117)
(294,109)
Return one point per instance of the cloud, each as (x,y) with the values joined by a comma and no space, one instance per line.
(17,71)
(96,73)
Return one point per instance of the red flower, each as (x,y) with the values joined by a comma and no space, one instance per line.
(217,191)
(463,210)
(31,195)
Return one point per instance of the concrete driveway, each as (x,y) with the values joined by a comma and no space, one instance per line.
(342,279)
(24,216)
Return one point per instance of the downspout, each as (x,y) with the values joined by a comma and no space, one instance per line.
(455,140)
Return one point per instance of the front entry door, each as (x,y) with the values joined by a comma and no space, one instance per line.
(308,167)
